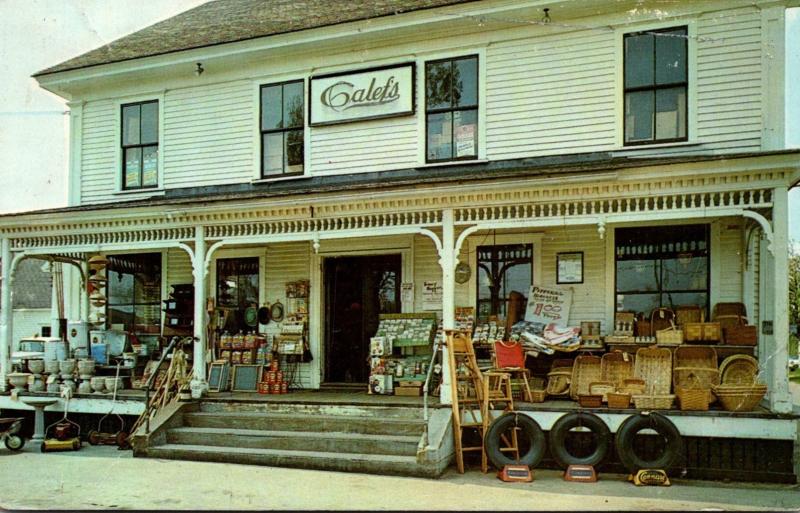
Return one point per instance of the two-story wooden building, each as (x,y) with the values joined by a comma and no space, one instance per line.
(244,145)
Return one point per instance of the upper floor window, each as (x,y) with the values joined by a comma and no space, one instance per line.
(656,86)
(451,104)
(282,127)
(140,145)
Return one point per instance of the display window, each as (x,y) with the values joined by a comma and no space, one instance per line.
(134,292)
(501,270)
(662,267)
(237,289)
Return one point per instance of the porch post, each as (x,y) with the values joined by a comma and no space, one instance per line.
(84,284)
(6,313)
(199,272)
(780,400)
(447,261)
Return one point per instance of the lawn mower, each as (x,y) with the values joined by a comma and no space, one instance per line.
(64,434)
(118,438)
(9,433)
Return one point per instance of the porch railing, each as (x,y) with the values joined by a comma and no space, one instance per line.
(436,345)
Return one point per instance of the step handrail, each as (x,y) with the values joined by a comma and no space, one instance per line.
(436,345)
(149,383)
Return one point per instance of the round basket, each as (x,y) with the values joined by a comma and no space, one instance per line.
(744,401)
(585,371)
(558,381)
(739,369)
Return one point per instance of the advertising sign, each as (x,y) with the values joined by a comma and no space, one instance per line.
(548,305)
(368,94)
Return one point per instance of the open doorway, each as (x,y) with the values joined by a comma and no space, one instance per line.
(357,291)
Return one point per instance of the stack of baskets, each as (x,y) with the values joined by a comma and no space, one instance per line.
(654,366)
(537,388)
(585,371)
(694,373)
(739,390)
(559,378)
(615,368)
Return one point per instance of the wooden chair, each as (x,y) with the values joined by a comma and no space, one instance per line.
(509,358)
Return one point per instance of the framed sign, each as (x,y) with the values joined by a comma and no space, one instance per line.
(359,95)
(218,376)
(246,378)
(569,267)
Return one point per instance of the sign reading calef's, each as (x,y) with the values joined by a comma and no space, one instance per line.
(367,94)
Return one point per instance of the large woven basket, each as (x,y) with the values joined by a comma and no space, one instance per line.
(585,371)
(615,367)
(633,386)
(740,397)
(693,394)
(738,369)
(695,363)
(558,381)
(654,366)
(653,402)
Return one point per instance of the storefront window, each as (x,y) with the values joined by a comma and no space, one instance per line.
(662,267)
(451,97)
(501,270)
(237,289)
(134,292)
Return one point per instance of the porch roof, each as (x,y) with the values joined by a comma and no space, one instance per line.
(483,171)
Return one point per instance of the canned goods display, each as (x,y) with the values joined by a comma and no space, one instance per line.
(279,376)
(284,387)
(276,388)
(273,365)
(272,377)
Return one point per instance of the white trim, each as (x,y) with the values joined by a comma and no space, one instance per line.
(691,79)
(715,262)
(75,148)
(117,119)
(281,178)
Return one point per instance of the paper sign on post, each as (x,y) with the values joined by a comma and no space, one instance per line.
(548,305)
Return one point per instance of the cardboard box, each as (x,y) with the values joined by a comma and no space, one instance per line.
(414,391)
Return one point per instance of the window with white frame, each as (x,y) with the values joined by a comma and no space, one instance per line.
(282,128)
(140,145)
(656,80)
(451,109)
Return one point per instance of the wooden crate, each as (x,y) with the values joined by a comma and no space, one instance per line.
(413,391)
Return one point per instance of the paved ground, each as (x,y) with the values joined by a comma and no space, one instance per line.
(104,478)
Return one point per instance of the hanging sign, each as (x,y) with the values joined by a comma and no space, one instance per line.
(407,292)
(368,94)
(431,295)
(548,305)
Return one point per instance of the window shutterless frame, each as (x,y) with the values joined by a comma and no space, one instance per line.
(656,87)
(452,109)
(138,145)
(283,130)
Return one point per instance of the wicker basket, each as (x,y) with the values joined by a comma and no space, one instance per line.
(633,386)
(691,313)
(661,319)
(728,309)
(601,388)
(671,336)
(654,366)
(693,395)
(558,381)
(619,400)
(653,402)
(738,369)
(615,367)
(538,396)
(585,371)
(739,398)
(695,363)
(710,332)
(736,331)
(590,401)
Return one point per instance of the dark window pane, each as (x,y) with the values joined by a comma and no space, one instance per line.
(517,278)
(147,317)
(643,303)
(501,270)
(294,151)
(133,167)
(639,54)
(639,116)
(120,287)
(293,105)
(671,57)
(130,125)
(685,272)
(237,288)
(438,85)
(121,314)
(150,166)
(149,123)
(273,153)
(465,82)
(674,299)
(271,108)
(465,123)
(440,137)
(670,113)
(639,275)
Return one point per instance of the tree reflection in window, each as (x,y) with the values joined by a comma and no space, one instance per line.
(237,289)
(134,292)
(501,270)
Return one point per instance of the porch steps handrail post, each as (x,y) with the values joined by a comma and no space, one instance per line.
(447,261)
(6,313)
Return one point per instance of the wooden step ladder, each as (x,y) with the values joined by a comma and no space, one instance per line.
(466,393)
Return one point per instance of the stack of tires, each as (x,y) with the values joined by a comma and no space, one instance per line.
(534,440)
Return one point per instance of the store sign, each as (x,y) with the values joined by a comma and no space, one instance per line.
(548,305)
(369,94)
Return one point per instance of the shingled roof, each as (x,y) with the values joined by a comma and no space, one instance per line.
(227,21)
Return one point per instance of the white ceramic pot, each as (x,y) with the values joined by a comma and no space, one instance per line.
(54,387)
(110,384)
(52,367)
(18,379)
(86,366)
(36,366)
(98,383)
(84,387)
(67,366)
(37,385)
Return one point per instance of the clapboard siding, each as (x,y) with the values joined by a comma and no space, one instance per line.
(368,146)
(98,152)
(208,135)
(287,262)
(527,110)
(731,257)
(179,268)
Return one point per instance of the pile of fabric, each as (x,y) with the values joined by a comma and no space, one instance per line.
(538,337)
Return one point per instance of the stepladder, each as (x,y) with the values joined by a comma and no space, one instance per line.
(466,392)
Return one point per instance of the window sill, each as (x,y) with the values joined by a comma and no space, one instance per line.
(453,163)
(280,179)
(657,145)
(151,192)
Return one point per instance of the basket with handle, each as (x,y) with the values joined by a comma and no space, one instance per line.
(692,394)
(698,363)
(738,369)
(585,371)
(654,366)
(616,366)
(661,318)
(736,331)
(689,313)
(728,309)
(671,336)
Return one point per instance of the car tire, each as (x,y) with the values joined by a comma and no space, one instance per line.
(530,431)
(558,437)
(626,435)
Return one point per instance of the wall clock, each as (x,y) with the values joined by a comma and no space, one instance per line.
(462,272)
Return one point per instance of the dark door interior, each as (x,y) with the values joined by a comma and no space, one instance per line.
(357,290)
